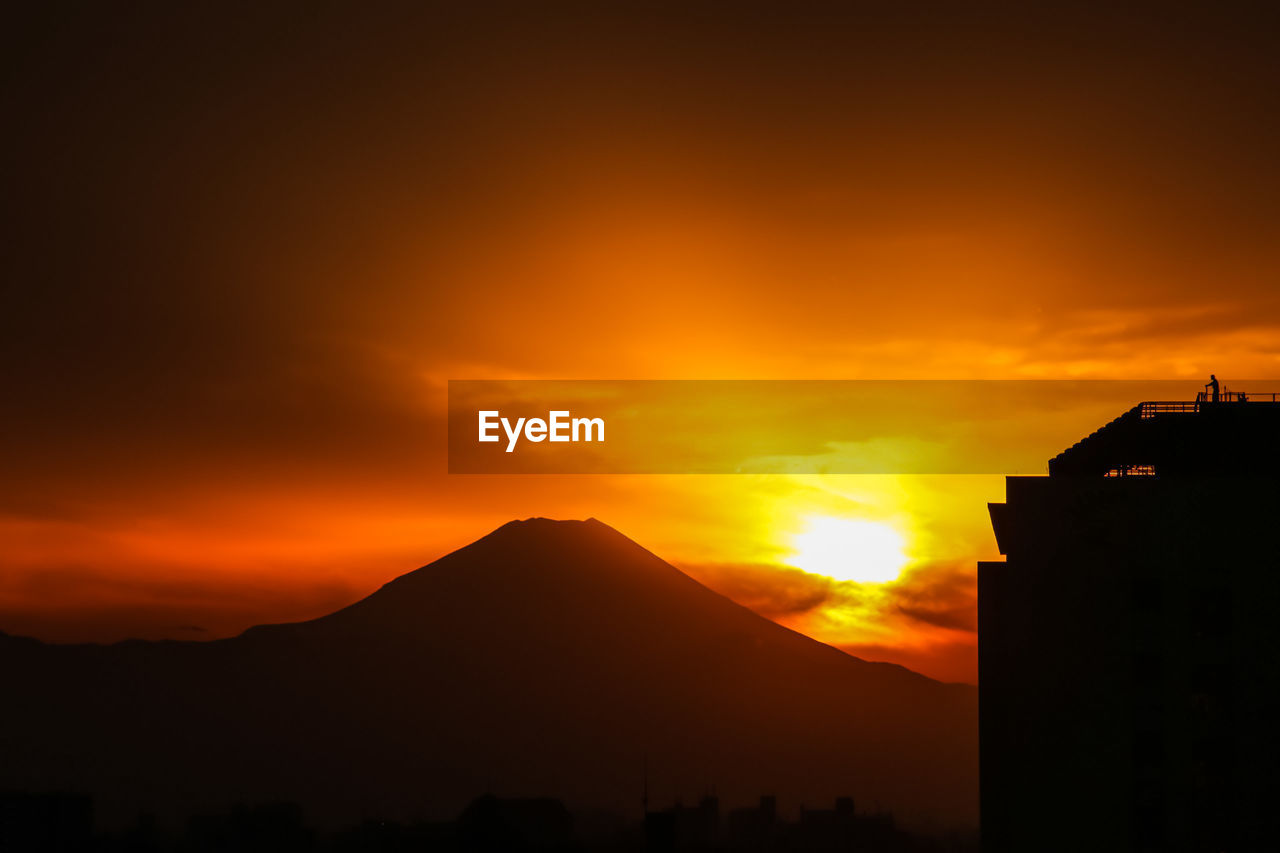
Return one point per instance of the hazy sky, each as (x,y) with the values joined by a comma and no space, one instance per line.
(246,249)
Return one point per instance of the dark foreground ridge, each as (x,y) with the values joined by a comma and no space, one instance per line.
(549,659)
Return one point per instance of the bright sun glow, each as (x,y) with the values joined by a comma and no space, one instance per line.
(849,550)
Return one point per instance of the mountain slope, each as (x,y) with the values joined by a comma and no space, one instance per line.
(546,658)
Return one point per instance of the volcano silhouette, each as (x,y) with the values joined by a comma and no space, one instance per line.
(553,658)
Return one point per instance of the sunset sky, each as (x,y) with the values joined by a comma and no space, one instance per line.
(246,252)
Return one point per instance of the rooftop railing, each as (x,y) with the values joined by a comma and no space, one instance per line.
(1151,408)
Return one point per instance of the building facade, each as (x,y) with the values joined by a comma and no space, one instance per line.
(1128,643)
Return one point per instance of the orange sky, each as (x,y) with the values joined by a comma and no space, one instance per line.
(248,253)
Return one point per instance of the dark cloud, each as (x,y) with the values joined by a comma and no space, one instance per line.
(943,594)
(770,590)
(137,600)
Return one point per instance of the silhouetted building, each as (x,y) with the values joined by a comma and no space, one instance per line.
(754,826)
(491,823)
(682,827)
(827,829)
(1127,645)
(44,822)
(384,836)
(265,827)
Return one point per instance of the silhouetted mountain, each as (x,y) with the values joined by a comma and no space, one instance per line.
(549,658)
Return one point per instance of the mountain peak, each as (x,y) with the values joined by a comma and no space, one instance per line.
(532,541)
(538,522)
(551,656)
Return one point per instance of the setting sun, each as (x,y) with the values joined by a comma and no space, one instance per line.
(850,550)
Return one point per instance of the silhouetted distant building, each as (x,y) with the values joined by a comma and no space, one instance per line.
(682,827)
(754,826)
(44,822)
(492,823)
(1127,647)
(260,828)
(827,829)
(384,836)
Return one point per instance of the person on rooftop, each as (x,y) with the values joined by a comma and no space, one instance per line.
(1213,385)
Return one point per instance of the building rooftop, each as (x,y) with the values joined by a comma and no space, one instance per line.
(1239,434)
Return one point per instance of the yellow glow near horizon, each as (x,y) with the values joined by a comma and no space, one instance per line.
(849,549)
